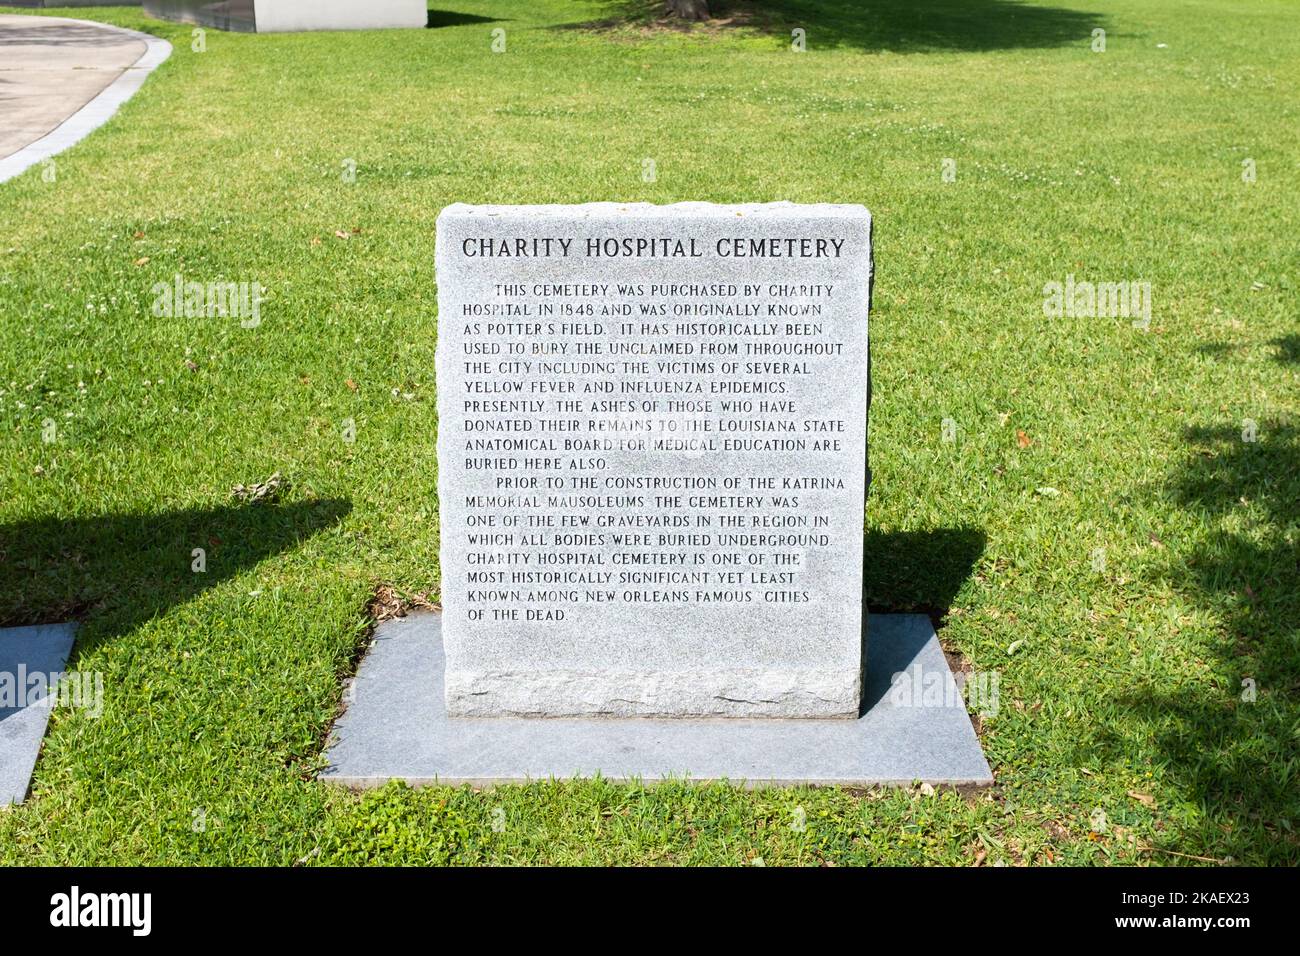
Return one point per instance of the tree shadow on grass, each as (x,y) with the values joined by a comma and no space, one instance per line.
(1288,349)
(1232,749)
(134,566)
(1244,479)
(900,26)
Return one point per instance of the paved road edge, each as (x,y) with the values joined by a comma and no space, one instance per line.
(97,111)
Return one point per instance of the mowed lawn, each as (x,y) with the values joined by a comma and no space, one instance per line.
(1099,534)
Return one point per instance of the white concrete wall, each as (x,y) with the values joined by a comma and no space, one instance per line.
(280,16)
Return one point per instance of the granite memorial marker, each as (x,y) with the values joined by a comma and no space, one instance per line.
(652,458)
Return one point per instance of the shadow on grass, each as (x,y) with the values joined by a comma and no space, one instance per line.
(450,18)
(900,26)
(918,571)
(1244,479)
(137,565)
(1232,750)
(1288,349)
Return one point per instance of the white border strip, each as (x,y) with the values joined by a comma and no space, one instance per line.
(97,111)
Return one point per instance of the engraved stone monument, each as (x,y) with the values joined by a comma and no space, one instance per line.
(652,459)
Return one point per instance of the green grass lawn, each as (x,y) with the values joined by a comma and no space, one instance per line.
(1121,680)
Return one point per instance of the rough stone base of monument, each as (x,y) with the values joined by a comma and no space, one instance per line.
(396,727)
(26,653)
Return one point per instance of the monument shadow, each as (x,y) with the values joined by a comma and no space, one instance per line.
(899,26)
(123,569)
(911,572)
(452,18)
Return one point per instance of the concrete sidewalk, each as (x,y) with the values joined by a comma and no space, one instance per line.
(50,68)
(62,78)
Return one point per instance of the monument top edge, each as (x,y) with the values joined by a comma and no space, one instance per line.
(613,210)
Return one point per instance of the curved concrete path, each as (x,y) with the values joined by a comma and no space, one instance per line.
(60,79)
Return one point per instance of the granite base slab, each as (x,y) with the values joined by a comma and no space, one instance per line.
(396,727)
(28,658)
